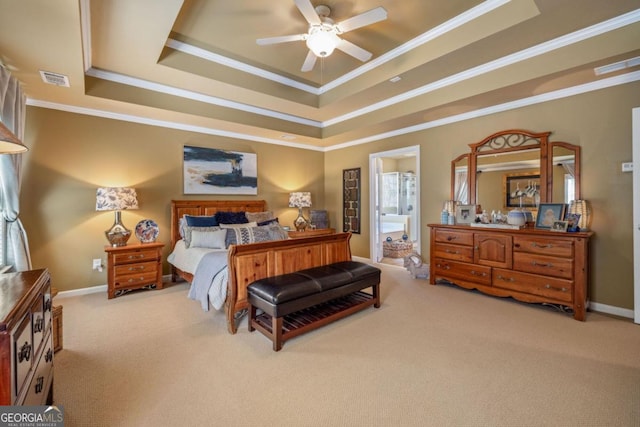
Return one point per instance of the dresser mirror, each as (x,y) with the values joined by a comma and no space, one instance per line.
(516,168)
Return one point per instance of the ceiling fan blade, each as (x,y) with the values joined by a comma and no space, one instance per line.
(308,11)
(353,50)
(280,39)
(309,62)
(366,18)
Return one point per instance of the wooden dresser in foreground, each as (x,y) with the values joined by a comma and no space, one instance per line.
(311,232)
(26,344)
(529,265)
(133,266)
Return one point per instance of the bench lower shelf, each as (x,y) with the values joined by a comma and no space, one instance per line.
(311,318)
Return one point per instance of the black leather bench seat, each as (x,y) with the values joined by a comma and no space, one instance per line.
(286,294)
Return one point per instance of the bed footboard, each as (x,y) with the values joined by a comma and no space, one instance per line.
(248,263)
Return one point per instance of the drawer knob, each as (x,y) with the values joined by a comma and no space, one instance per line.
(475,273)
(136,268)
(538,245)
(38,325)
(140,279)
(49,356)
(541,264)
(25,352)
(449,251)
(555,289)
(39,384)
(139,256)
(450,238)
(510,279)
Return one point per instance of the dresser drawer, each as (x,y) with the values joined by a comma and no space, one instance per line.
(452,236)
(454,252)
(545,265)
(136,280)
(543,246)
(143,267)
(460,270)
(41,381)
(23,353)
(135,256)
(558,289)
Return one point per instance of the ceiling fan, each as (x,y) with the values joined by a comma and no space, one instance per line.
(322,37)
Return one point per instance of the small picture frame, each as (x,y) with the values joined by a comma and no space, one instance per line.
(572,221)
(560,226)
(548,213)
(465,214)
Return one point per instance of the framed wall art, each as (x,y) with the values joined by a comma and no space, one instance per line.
(214,171)
(351,200)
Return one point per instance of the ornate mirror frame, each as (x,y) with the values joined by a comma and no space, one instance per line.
(514,140)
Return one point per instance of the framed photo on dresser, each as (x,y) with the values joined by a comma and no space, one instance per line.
(549,213)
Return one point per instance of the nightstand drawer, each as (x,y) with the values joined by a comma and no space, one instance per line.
(135,256)
(143,267)
(130,281)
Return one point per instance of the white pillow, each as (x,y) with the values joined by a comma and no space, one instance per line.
(208,239)
(245,225)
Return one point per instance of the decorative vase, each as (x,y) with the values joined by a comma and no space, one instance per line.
(516,217)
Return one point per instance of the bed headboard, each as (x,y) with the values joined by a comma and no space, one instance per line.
(208,207)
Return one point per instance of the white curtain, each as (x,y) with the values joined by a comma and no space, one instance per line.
(461,188)
(570,168)
(12,113)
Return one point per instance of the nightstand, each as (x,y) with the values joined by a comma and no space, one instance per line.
(311,233)
(133,266)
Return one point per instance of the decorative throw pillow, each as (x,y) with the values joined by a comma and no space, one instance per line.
(231,235)
(224,217)
(188,231)
(201,221)
(208,239)
(268,221)
(245,235)
(259,216)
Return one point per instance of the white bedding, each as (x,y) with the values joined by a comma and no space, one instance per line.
(209,285)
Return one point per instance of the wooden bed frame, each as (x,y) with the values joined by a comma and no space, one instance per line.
(254,261)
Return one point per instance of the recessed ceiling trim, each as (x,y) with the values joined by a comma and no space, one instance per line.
(237,65)
(538,99)
(464,18)
(542,48)
(183,93)
(512,105)
(617,66)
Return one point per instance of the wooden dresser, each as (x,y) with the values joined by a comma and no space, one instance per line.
(26,343)
(133,266)
(530,265)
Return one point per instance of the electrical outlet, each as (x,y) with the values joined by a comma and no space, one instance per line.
(97,264)
(627,167)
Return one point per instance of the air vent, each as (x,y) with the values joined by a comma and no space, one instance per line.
(54,78)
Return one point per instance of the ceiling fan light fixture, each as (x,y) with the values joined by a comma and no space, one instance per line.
(321,42)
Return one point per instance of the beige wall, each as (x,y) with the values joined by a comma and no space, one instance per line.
(600,122)
(71,155)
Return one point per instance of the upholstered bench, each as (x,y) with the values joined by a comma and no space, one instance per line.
(295,303)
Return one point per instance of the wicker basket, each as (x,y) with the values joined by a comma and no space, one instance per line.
(396,249)
(57,327)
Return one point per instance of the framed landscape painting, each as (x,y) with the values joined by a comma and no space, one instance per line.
(214,171)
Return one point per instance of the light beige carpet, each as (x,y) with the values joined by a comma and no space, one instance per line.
(430,356)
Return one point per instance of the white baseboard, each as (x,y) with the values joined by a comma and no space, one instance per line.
(609,309)
(93,289)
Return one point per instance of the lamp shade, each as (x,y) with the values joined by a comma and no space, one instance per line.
(581,207)
(116,199)
(9,143)
(300,199)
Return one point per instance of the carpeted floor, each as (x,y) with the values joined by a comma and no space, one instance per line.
(429,356)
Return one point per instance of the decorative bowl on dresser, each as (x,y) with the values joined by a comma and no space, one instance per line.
(528,264)
(26,343)
(133,266)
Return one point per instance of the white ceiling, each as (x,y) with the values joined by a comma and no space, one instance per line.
(195,65)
